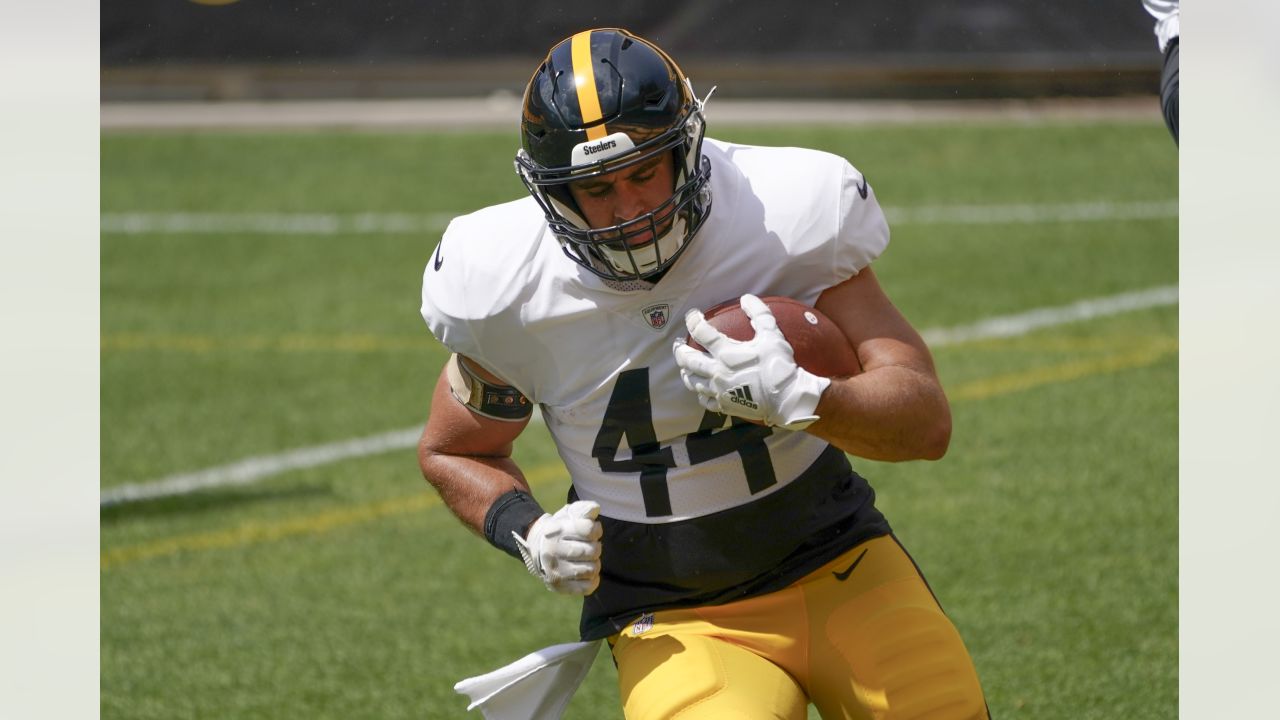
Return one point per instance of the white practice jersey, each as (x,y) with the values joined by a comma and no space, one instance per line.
(597,358)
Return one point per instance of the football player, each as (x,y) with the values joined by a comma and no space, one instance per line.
(728,552)
(1167,31)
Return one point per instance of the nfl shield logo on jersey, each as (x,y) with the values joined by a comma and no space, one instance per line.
(657,315)
(643,624)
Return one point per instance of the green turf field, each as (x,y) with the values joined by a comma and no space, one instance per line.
(346,591)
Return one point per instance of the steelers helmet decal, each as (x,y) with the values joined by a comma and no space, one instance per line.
(601,101)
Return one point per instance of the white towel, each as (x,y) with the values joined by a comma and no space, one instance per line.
(538,686)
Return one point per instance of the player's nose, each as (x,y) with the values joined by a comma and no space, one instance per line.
(629,203)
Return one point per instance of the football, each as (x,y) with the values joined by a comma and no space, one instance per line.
(820,347)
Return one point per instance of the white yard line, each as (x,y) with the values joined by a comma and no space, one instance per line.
(253,469)
(147,223)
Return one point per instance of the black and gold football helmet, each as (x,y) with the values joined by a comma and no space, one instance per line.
(601,101)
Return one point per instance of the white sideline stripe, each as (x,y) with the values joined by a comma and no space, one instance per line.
(1023,323)
(148,223)
(142,223)
(1031,213)
(500,110)
(252,469)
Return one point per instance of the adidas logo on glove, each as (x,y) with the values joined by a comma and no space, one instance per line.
(742,396)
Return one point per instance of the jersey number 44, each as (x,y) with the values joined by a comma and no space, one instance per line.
(630,416)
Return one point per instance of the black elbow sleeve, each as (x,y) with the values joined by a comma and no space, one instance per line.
(513,511)
(1169,88)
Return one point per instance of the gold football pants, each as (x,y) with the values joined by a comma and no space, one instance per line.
(862,637)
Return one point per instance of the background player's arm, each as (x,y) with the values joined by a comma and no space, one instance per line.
(466,456)
(895,409)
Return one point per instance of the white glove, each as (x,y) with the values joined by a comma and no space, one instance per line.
(756,379)
(563,550)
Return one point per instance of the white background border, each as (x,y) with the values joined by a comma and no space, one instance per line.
(49,299)
(1230,384)
(49,274)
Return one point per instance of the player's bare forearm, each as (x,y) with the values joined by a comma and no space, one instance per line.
(895,409)
(469,485)
(890,413)
(467,458)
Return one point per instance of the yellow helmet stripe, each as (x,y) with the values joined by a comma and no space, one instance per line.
(584,75)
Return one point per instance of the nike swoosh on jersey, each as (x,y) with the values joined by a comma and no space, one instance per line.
(842,576)
(862,187)
(440,258)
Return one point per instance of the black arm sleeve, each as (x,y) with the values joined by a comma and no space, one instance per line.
(1169,88)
